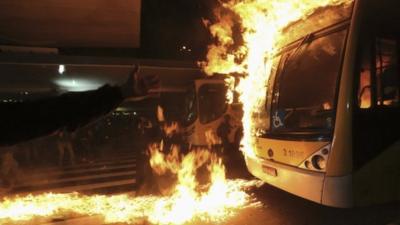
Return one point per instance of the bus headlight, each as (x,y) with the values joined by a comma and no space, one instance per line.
(307,164)
(318,162)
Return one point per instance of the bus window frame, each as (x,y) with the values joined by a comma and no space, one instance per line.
(369,44)
(305,136)
(381,90)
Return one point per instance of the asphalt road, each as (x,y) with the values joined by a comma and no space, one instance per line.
(282,208)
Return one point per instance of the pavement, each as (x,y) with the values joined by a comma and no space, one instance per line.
(104,175)
(282,208)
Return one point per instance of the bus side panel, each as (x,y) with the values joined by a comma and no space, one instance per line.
(379,180)
(338,192)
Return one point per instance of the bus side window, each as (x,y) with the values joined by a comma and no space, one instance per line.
(387,73)
(365,83)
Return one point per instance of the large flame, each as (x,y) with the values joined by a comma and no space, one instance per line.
(215,201)
(263,24)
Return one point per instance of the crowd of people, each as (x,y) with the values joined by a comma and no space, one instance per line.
(63,148)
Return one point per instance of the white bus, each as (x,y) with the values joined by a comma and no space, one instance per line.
(206,108)
(332,134)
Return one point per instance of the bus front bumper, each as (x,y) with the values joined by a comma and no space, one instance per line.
(300,182)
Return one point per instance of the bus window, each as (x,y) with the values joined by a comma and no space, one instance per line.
(387,74)
(212,102)
(364,92)
(305,89)
(365,83)
(379,91)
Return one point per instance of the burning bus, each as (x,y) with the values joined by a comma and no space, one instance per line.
(320,96)
(206,108)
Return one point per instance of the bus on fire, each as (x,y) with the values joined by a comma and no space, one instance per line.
(206,109)
(330,131)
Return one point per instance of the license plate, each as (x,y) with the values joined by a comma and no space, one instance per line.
(270,171)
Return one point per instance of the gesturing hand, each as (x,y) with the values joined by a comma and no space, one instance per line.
(138,84)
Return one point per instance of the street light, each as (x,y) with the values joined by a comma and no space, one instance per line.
(61,69)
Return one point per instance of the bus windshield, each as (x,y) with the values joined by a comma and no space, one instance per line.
(305,87)
(212,102)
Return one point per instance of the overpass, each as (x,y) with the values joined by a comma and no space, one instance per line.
(71,23)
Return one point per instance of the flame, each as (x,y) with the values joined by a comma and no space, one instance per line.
(230,84)
(212,138)
(169,129)
(264,30)
(211,199)
(215,201)
(162,163)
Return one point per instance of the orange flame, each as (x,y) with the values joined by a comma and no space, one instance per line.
(169,129)
(189,201)
(192,200)
(263,24)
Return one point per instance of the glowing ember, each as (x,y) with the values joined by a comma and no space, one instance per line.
(215,201)
(263,24)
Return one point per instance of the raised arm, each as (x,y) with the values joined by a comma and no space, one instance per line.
(26,120)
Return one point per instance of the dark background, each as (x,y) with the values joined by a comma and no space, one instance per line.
(166,26)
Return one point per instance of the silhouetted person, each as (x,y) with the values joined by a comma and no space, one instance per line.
(23,121)
(64,143)
(9,168)
(87,151)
